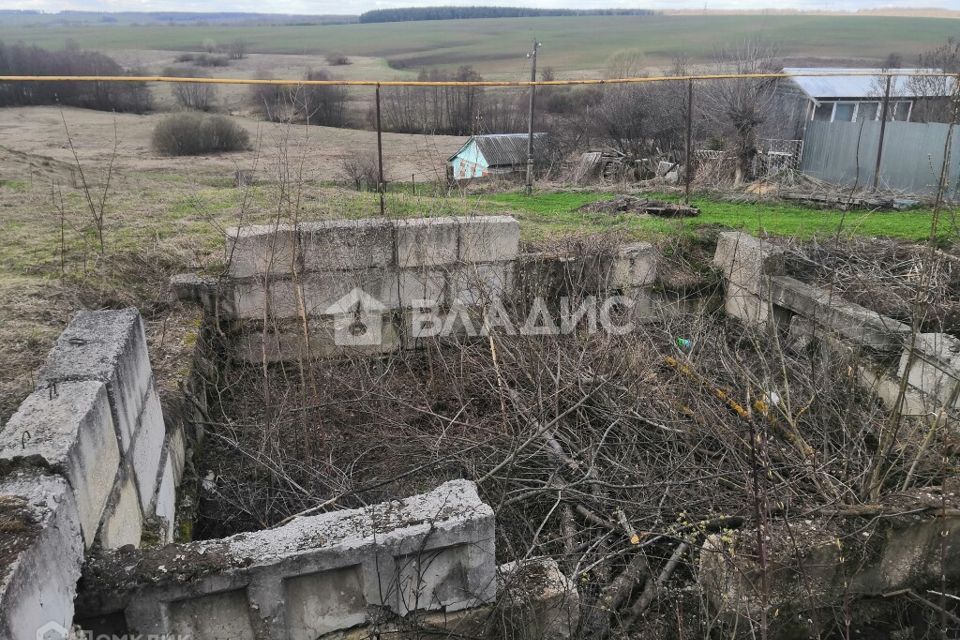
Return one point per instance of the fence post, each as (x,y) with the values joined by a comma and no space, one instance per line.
(883,129)
(533,92)
(688,160)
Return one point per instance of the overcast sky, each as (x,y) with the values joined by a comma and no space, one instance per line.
(358,6)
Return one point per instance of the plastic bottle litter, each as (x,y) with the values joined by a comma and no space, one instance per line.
(684,344)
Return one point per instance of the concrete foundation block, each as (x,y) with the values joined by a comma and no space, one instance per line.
(831,312)
(256,298)
(109,346)
(427,242)
(475,284)
(147,447)
(540,598)
(262,249)
(423,284)
(746,306)
(314,575)
(319,603)
(934,368)
(345,291)
(219,616)
(176,451)
(67,429)
(123,522)
(344,245)
(744,259)
(634,265)
(489,239)
(43,547)
(165,500)
(343,335)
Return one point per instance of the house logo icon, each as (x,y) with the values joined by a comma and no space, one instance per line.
(357,319)
(52,631)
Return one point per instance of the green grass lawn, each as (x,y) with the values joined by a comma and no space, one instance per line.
(551,213)
(496,47)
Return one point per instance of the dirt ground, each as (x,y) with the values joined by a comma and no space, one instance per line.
(163,216)
(41,133)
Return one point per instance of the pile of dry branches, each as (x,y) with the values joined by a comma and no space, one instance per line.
(614,454)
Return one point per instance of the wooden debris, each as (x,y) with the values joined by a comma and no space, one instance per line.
(633,204)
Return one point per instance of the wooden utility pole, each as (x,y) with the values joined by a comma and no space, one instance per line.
(533,92)
(381,187)
(688,160)
(883,130)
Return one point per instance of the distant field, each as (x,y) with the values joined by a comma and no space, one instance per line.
(571,45)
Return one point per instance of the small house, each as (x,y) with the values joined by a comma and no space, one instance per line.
(493,154)
(851,98)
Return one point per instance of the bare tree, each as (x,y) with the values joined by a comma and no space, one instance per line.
(933,104)
(736,109)
(641,120)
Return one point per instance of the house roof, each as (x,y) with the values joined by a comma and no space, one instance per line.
(855,86)
(503,149)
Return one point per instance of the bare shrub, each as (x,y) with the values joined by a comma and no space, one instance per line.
(191,134)
(337,59)
(361,170)
(320,105)
(193,95)
(270,101)
(237,50)
(207,60)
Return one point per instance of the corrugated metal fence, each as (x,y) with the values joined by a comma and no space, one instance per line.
(846,153)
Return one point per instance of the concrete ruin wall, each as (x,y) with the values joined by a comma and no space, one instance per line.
(85,461)
(760,291)
(328,271)
(313,576)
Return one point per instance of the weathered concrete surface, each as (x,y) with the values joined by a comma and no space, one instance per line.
(109,346)
(745,260)
(261,249)
(123,519)
(41,550)
(634,266)
(147,448)
(427,552)
(747,264)
(535,601)
(330,337)
(488,239)
(812,567)
(68,430)
(342,245)
(830,311)
(934,367)
(428,242)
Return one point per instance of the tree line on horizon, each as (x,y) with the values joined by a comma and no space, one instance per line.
(411,14)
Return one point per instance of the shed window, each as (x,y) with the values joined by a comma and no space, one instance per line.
(867,111)
(823,112)
(844,112)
